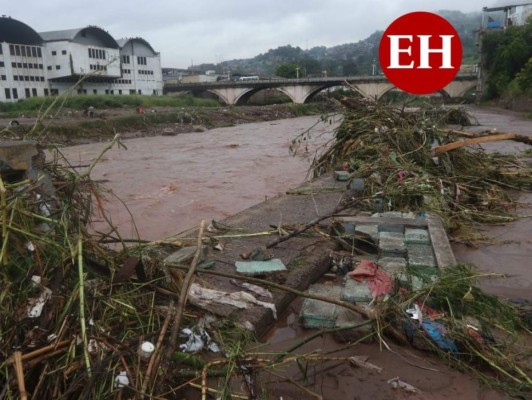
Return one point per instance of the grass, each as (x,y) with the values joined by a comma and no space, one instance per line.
(81,102)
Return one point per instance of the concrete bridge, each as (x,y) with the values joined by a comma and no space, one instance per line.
(303,89)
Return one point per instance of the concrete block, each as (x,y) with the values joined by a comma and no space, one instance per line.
(319,314)
(417,236)
(393,265)
(370,229)
(356,292)
(421,258)
(259,267)
(17,155)
(391,244)
(341,175)
(391,227)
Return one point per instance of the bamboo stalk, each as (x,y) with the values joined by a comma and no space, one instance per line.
(156,356)
(184,293)
(3,200)
(82,308)
(19,372)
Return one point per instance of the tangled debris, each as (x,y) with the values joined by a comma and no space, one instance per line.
(411,161)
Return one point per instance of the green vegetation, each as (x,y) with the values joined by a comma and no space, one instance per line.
(507,57)
(107,101)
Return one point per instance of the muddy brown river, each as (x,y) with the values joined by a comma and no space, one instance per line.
(170,183)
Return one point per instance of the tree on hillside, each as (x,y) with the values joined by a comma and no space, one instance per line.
(506,54)
(287,70)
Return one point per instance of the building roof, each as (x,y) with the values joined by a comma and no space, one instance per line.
(74,35)
(13,31)
(124,41)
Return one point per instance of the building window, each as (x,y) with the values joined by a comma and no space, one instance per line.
(27,91)
(54,92)
(54,53)
(119,91)
(32,78)
(17,51)
(23,51)
(142,61)
(41,66)
(24,65)
(126,60)
(46,92)
(19,65)
(34,91)
(132,91)
(34,51)
(1,62)
(14,64)
(57,67)
(12,49)
(39,52)
(15,77)
(26,78)
(15,93)
(63,52)
(3,77)
(8,93)
(1,49)
(94,91)
(49,67)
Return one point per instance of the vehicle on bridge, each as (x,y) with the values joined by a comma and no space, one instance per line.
(249,78)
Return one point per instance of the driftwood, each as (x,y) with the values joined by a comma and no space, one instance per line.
(473,139)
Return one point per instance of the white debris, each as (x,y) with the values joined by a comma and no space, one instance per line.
(399,384)
(92,346)
(121,380)
(146,350)
(361,361)
(30,246)
(196,340)
(203,297)
(35,306)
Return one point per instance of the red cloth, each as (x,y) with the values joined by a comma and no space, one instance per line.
(379,282)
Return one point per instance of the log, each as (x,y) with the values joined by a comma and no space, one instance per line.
(467,142)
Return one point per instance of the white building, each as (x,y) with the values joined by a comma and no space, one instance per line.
(39,64)
(141,68)
(22,63)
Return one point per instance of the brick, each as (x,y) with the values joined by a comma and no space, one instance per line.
(421,259)
(341,175)
(417,236)
(391,244)
(393,265)
(370,229)
(320,314)
(356,292)
(388,227)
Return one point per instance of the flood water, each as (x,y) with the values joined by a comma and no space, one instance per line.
(170,183)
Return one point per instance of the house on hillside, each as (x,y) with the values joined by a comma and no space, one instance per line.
(504,16)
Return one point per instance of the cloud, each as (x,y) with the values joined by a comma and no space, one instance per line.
(214,30)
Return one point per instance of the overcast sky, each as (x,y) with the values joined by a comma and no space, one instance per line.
(201,31)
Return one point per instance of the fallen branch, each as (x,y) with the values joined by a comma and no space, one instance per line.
(482,139)
(19,373)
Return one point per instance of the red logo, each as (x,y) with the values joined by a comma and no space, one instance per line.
(420,52)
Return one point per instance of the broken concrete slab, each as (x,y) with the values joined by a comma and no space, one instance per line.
(259,267)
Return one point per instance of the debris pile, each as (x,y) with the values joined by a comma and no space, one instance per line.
(411,161)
